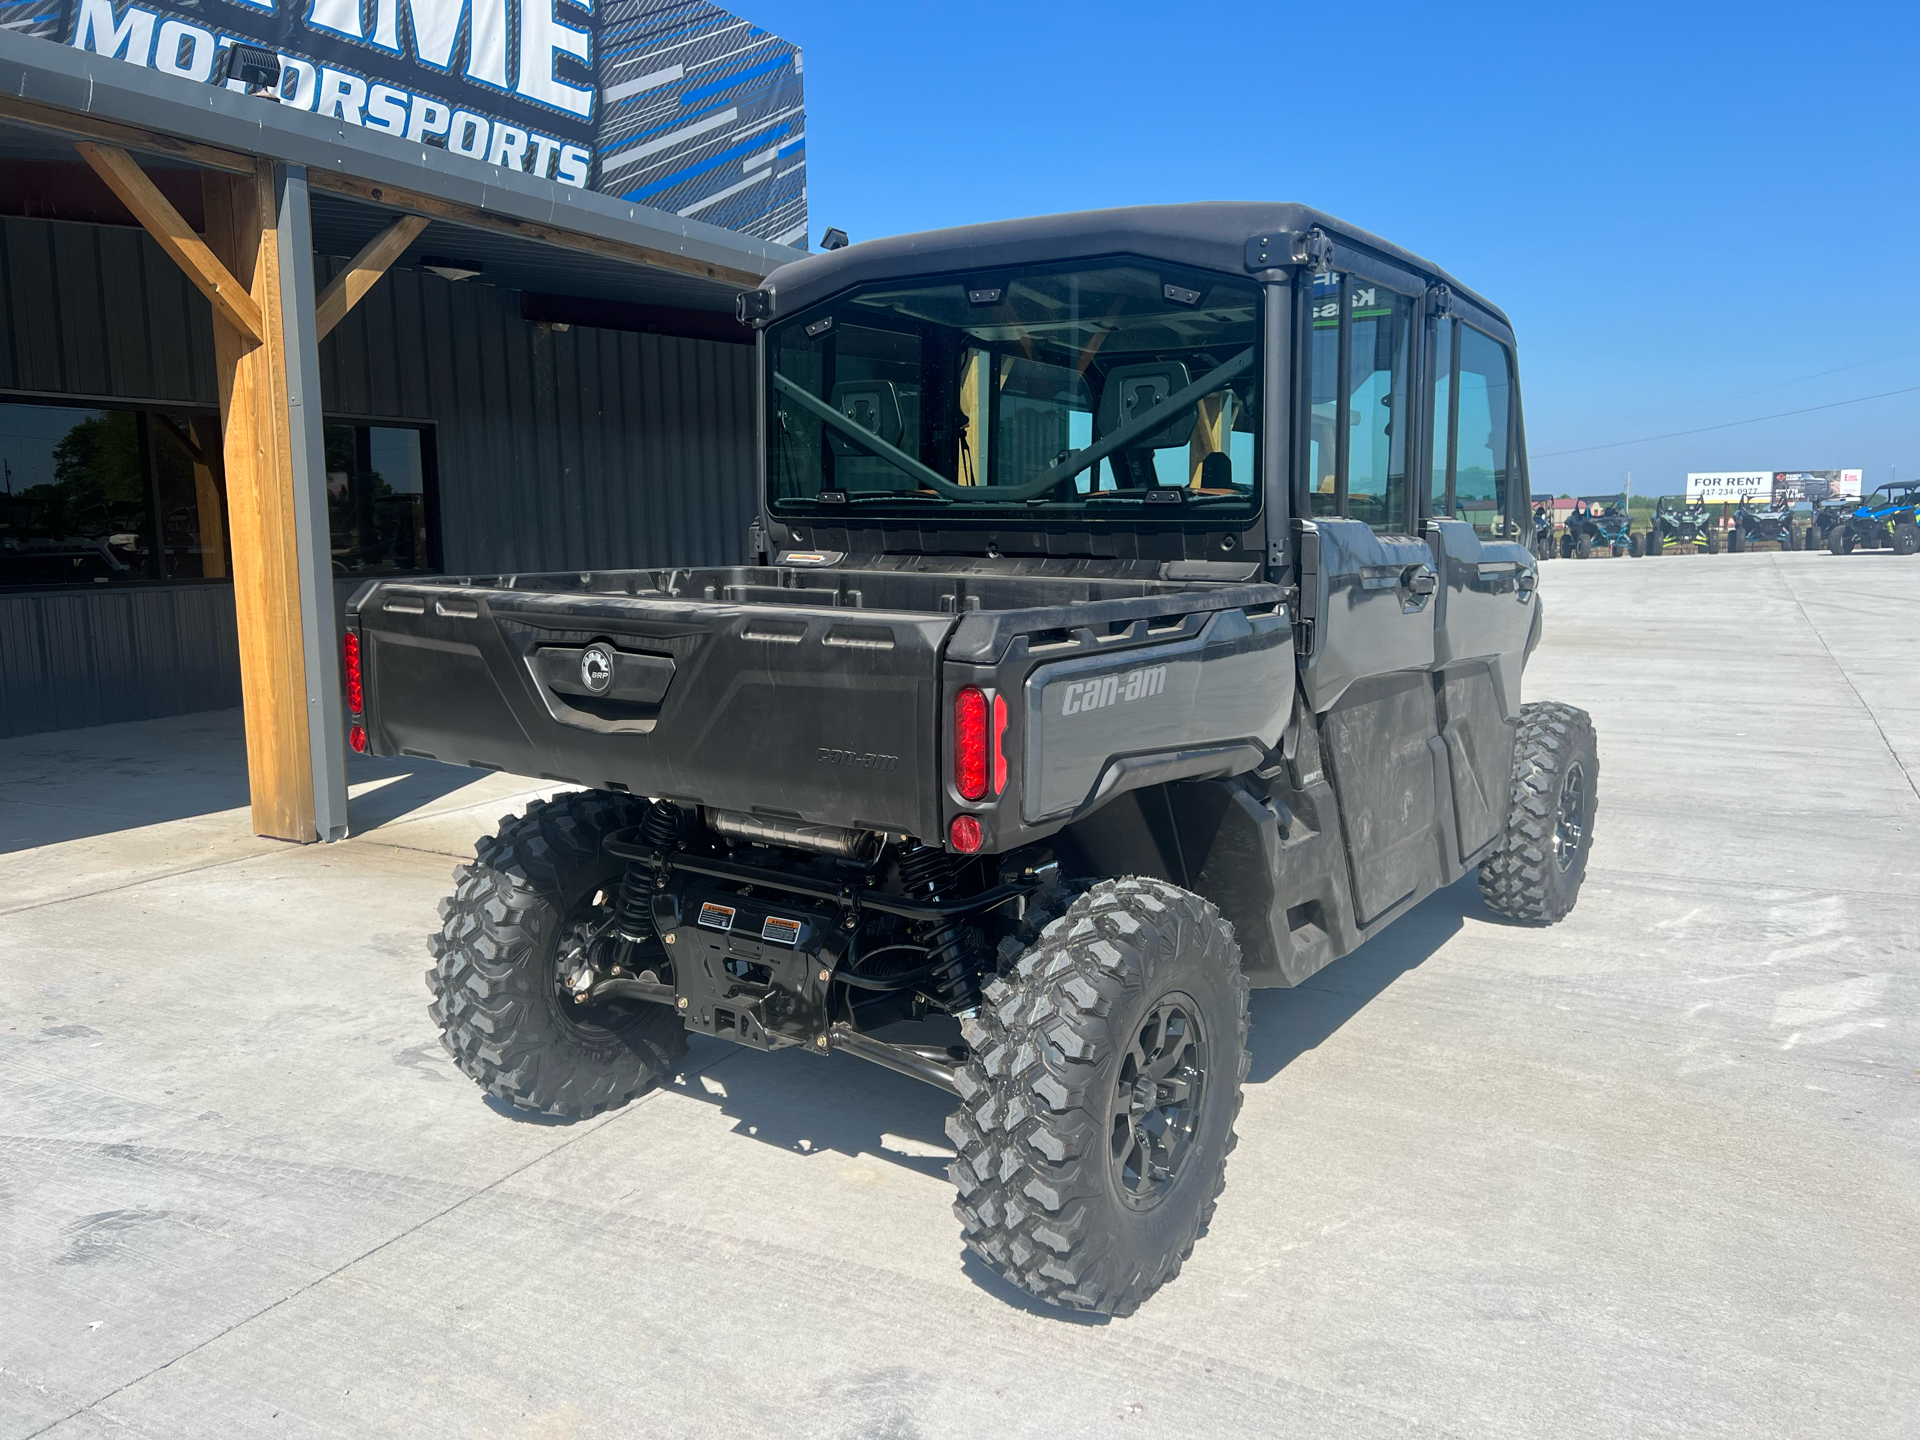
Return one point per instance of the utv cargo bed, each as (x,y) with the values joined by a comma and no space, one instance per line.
(818,695)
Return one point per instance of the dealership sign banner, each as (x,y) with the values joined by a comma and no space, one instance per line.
(1729,486)
(682,107)
(1813,486)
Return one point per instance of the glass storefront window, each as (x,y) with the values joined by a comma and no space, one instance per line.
(80,490)
(378,499)
(94,496)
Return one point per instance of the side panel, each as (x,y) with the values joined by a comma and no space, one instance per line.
(1369,617)
(1479,738)
(1485,604)
(1383,753)
(1231,680)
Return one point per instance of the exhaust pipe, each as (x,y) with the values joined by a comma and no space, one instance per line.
(825,839)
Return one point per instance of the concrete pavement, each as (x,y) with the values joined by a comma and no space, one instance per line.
(1655,1171)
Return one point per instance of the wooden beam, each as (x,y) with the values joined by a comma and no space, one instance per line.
(125,178)
(440,209)
(258,465)
(48,117)
(345,290)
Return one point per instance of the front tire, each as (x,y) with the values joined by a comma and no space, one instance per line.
(1540,860)
(1713,542)
(1736,543)
(1583,548)
(1100,1097)
(496,977)
(1837,541)
(1906,539)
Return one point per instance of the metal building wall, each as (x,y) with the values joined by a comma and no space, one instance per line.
(557,450)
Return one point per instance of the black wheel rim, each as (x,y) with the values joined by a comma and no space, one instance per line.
(1156,1101)
(1570,826)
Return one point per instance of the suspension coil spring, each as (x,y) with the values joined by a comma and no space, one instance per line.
(925,872)
(633,906)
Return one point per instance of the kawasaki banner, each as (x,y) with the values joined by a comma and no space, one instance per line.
(682,107)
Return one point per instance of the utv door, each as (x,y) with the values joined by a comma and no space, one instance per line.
(1485,608)
(1367,583)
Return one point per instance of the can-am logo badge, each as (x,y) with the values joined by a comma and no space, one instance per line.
(1084,695)
(596,669)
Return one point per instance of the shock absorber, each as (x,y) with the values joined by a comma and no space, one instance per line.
(927,873)
(633,907)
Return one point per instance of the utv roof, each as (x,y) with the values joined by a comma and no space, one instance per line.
(1210,235)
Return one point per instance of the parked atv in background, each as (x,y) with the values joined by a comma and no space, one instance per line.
(1885,520)
(1590,529)
(1689,525)
(1828,514)
(1752,526)
(1543,530)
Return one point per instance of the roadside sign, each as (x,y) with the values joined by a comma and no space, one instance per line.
(1813,486)
(1728,486)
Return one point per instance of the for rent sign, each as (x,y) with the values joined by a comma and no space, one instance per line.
(1729,485)
(679,106)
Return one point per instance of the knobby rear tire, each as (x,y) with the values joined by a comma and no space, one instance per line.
(1040,1189)
(494,980)
(1523,879)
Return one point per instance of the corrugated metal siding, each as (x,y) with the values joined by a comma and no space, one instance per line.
(99,311)
(98,657)
(558,450)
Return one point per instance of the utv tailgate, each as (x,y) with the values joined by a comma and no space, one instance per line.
(799,712)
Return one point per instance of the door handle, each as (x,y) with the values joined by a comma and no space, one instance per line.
(1420,580)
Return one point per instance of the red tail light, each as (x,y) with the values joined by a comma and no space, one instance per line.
(965,834)
(970,743)
(356,694)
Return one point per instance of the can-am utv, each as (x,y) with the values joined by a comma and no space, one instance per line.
(1681,525)
(1885,520)
(1115,651)
(1754,526)
(1599,522)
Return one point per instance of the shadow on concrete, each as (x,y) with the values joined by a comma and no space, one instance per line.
(417,783)
(802,1103)
(1285,1024)
(74,784)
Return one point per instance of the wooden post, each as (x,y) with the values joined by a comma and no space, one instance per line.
(260,507)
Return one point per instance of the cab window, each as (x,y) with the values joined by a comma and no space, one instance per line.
(1358,415)
(1473,429)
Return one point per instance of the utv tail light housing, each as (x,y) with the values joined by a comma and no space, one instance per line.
(964,834)
(356,692)
(970,744)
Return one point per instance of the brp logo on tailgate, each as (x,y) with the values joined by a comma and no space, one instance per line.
(1085,695)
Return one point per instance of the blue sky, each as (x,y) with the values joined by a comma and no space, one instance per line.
(1689,211)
